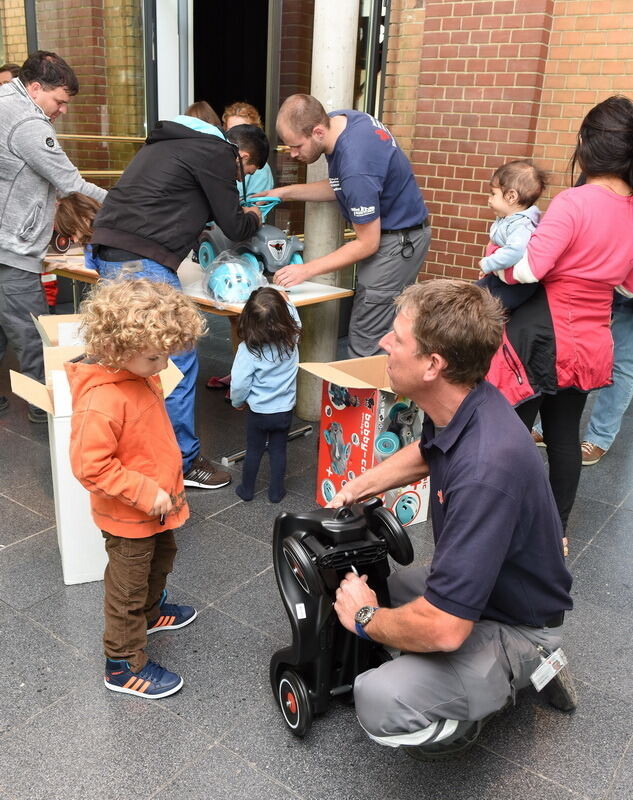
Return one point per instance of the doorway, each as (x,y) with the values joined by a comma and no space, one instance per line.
(230,52)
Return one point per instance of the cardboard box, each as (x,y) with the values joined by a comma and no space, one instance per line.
(80,541)
(362,423)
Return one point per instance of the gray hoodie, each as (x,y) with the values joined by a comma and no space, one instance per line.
(34,170)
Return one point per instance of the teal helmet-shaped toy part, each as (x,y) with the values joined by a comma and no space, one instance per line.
(233,281)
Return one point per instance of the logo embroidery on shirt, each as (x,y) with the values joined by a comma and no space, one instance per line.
(440,496)
(362,211)
(382,135)
(50,142)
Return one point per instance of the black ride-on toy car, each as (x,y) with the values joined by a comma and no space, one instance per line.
(312,552)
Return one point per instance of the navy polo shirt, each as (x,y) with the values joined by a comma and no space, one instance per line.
(371,176)
(498,552)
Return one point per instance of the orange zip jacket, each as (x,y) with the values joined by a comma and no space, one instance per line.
(123,448)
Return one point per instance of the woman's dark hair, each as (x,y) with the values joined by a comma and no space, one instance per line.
(265,319)
(50,70)
(605,140)
(252,140)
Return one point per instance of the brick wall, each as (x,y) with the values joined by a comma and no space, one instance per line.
(494,81)
(402,70)
(481,77)
(13,27)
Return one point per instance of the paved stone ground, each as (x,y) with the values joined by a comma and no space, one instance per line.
(64,737)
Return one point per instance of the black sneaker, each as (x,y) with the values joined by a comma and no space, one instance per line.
(152,682)
(37,415)
(560,692)
(203,475)
(4,404)
(172,616)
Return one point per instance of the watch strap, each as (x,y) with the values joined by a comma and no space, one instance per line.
(360,631)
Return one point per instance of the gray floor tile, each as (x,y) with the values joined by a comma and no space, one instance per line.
(599,644)
(587,517)
(580,750)
(225,668)
(336,759)
(605,577)
(257,518)
(616,534)
(623,779)
(221,775)
(214,559)
(34,462)
(36,495)
(35,670)
(18,522)
(97,744)
(30,570)
(258,603)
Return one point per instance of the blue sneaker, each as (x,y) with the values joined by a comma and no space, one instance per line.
(152,682)
(172,616)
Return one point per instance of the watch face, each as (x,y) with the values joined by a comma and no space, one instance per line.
(364,614)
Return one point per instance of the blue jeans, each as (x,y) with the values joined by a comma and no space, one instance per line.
(182,401)
(612,401)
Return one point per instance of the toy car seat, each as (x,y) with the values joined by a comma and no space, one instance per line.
(312,552)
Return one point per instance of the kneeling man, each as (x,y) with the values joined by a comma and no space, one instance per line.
(476,623)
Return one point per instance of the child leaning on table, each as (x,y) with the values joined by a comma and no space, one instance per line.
(514,189)
(124,451)
(264,380)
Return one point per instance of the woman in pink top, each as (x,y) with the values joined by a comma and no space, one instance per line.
(557,346)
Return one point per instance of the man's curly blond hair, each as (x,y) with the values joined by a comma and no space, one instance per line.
(128,316)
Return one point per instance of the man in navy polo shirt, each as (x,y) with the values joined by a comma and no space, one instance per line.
(476,624)
(372,180)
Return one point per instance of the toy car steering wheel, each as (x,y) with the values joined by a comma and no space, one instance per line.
(264,204)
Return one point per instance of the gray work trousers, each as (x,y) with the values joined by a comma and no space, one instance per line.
(381,278)
(21,294)
(397,700)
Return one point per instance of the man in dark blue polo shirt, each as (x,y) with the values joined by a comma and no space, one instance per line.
(477,623)
(372,180)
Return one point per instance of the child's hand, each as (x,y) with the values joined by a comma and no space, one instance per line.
(162,504)
(481,275)
(241,408)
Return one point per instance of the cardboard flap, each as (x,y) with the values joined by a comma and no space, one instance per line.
(56,357)
(57,329)
(354,373)
(31,390)
(170,377)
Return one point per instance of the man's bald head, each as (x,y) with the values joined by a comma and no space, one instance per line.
(301,113)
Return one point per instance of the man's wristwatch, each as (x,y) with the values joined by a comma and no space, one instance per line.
(361,618)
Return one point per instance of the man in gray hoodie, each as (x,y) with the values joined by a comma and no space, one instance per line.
(34,171)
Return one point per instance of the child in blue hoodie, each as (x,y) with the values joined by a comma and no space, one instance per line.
(264,380)
(514,188)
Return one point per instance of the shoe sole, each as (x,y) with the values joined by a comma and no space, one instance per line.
(173,627)
(592,462)
(540,444)
(38,420)
(195,485)
(114,688)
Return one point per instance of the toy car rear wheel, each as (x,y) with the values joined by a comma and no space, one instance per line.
(61,242)
(206,254)
(384,524)
(304,570)
(296,258)
(294,700)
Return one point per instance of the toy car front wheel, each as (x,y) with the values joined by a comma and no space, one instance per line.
(384,524)
(296,258)
(294,700)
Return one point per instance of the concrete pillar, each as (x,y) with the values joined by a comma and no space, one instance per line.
(333,69)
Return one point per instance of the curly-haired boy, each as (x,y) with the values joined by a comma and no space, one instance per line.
(124,451)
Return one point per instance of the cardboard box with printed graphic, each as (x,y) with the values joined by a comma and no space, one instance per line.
(362,423)
(80,542)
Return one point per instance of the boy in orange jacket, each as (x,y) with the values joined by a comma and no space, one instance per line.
(124,451)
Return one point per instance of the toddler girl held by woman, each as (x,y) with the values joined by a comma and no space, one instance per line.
(264,380)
